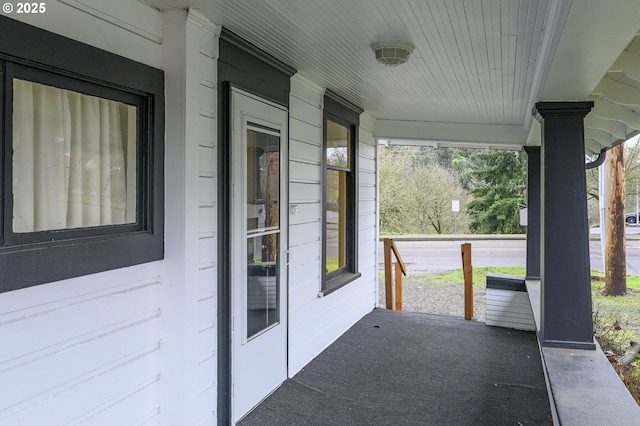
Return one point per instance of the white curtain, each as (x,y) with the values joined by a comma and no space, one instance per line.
(73,161)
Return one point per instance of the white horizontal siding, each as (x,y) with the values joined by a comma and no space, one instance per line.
(303,108)
(189,320)
(305,193)
(304,253)
(306,278)
(321,322)
(315,322)
(307,212)
(81,349)
(367,193)
(306,132)
(367,164)
(207,188)
(206,156)
(126,28)
(366,235)
(305,233)
(509,309)
(207,94)
(368,149)
(367,208)
(207,130)
(135,345)
(88,350)
(367,178)
(366,221)
(304,152)
(206,390)
(300,172)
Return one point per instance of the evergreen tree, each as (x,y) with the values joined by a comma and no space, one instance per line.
(464,164)
(498,193)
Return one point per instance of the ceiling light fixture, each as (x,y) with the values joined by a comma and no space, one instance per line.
(392,53)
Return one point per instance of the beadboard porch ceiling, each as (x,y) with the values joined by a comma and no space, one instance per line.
(478,65)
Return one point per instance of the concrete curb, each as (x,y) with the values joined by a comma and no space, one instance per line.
(454,237)
(477,237)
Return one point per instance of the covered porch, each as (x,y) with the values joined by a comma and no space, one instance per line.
(557,79)
(396,367)
(408,368)
(160,341)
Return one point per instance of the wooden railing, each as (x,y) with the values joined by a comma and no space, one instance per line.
(467,272)
(400,270)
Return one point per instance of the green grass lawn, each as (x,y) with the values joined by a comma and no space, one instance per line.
(626,308)
(623,309)
(479,275)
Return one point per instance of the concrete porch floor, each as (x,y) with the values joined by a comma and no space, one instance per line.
(397,368)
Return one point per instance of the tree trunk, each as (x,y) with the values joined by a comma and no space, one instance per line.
(615,247)
(272,202)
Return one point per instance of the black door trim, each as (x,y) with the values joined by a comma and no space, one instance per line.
(246,67)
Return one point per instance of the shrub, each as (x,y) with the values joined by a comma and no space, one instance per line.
(613,335)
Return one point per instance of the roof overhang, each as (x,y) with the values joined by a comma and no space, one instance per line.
(477,69)
(440,135)
(590,61)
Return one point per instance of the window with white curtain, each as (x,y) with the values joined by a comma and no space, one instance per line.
(74,159)
(81,159)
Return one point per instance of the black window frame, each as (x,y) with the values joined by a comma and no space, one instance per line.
(28,259)
(344,113)
(15,71)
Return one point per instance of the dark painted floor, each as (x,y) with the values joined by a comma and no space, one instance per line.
(396,368)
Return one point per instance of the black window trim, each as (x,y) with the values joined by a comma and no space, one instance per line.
(342,112)
(29,259)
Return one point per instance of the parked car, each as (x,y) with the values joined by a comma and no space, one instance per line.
(632,217)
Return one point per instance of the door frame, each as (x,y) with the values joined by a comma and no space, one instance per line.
(241,65)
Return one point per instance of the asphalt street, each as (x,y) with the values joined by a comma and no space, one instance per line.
(439,256)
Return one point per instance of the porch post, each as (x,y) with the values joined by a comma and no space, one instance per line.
(565,281)
(533,212)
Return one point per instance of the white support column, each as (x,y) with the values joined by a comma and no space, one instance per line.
(189,367)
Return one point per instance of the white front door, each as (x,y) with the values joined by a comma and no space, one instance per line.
(258,250)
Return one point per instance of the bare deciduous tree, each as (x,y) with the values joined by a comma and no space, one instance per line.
(416,193)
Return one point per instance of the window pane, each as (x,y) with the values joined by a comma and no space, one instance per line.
(338,138)
(336,224)
(74,159)
(263,181)
(262,283)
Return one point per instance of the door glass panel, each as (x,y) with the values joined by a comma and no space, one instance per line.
(263,224)
(263,287)
(263,181)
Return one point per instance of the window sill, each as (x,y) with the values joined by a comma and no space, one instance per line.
(30,265)
(338,282)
